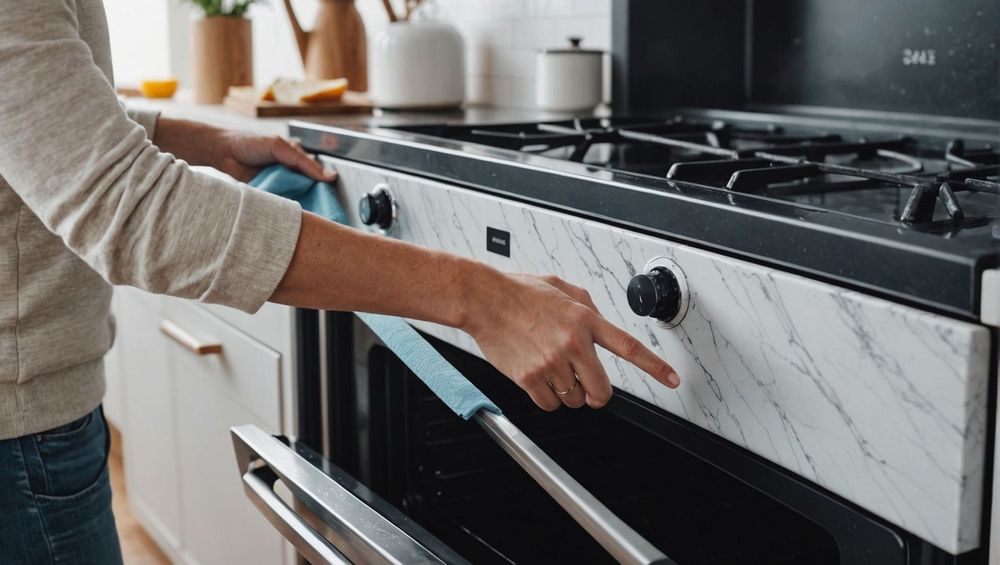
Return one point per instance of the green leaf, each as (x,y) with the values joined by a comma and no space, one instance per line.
(232,8)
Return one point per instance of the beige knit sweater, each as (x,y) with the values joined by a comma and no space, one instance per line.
(87,201)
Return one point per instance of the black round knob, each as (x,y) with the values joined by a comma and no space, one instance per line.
(375,208)
(656,294)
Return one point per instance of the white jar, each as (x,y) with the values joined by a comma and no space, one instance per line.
(569,79)
(418,64)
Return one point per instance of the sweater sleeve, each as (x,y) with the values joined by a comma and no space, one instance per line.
(145,118)
(136,215)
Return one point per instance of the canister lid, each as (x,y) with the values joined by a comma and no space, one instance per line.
(574,48)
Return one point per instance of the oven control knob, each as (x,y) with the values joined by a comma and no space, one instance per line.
(656,294)
(377,208)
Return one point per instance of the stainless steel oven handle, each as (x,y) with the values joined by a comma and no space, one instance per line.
(614,535)
(292,527)
(355,530)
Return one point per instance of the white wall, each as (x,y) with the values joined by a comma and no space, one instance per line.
(501,38)
(139,39)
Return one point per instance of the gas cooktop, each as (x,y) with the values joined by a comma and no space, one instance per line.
(903,206)
(952,191)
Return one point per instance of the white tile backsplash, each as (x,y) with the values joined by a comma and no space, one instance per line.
(536,33)
(514,63)
(478,62)
(548,8)
(502,37)
(494,34)
(520,92)
(601,8)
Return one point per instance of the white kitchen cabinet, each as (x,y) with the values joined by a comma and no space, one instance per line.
(215,392)
(221,525)
(246,370)
(179,405)
(150,428)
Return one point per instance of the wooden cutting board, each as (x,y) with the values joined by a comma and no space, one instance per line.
(244,99)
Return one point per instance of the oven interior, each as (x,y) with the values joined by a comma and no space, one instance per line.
(697,497)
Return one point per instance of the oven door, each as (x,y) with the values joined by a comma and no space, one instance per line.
(382,471)
(331,517)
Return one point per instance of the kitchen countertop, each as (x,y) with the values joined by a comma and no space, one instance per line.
(182,107)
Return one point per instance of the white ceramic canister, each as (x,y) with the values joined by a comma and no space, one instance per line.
(418,64)
(569,79)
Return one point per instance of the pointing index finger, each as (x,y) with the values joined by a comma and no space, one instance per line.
(612,338)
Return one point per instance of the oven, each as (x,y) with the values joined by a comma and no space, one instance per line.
(382,471)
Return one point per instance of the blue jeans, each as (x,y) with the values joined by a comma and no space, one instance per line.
(55,498)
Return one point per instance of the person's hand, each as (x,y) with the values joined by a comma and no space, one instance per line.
(541,331)
(243,155)
(238,154)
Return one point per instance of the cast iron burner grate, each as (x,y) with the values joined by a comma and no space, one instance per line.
(925,185)
(925,192)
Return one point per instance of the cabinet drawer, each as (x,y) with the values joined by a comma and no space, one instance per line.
(237,365)
(271,325)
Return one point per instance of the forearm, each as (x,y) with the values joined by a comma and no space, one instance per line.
(340,268)
(194,142)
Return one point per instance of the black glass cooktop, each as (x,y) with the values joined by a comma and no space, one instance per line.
(945,186)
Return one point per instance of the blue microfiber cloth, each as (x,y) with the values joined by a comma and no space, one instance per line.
(437,373)
(315,196)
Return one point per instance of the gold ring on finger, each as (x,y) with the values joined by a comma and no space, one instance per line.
(567,391)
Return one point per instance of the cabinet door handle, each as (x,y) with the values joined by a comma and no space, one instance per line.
(196,346)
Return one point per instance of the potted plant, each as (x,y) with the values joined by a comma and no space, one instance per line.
(222,48)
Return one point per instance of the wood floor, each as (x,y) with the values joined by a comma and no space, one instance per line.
(137,547)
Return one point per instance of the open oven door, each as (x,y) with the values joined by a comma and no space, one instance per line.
(335,519)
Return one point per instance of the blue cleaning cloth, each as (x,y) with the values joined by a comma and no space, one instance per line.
(437,373)
(315,196)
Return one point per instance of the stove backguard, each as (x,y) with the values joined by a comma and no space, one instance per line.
(924,57)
